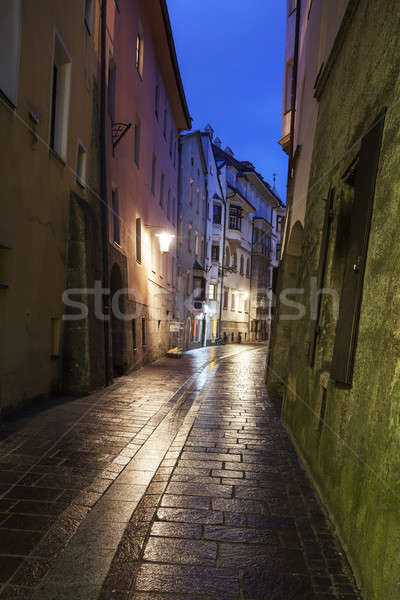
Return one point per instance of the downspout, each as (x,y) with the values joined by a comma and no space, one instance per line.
(222,273)
(290,176)
(103,184)
(251,274)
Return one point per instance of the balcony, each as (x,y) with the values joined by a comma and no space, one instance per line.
(285,140)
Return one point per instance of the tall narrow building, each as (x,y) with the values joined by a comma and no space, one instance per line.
(146,111)
(50,209)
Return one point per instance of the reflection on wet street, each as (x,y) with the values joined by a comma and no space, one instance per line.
(178,481)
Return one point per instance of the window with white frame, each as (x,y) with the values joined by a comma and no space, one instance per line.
(10,41)
(60,98)
(196,243)
(81,165)
(212,291)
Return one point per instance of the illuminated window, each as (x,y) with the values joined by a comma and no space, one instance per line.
(196,243)
(211,291)
(139,53)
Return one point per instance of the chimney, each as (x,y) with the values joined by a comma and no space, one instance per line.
(209,130)
(217,142)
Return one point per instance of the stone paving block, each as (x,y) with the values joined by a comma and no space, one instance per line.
(238,505)
(240,534)
(189,516)
(185,579)
(264,584)
(278,560)
(185,551)
(200,489)
(172,501)
(176,530)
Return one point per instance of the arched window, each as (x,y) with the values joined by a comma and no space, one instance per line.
(227,257)
(241,265)
(248,268)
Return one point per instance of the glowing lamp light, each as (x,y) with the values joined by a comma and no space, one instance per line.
(165,240)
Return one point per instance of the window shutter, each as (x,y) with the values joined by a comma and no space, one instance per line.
(350,301)
(321,273)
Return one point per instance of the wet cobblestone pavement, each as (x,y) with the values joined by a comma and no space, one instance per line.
(177,482)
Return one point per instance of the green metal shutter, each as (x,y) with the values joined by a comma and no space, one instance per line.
(350,301)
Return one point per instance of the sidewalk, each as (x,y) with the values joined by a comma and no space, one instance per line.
(177,482)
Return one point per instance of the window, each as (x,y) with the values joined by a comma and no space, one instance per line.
(137,133)
(278,252)
(235,217)
(60,96)
(227,257)
(157,100)
(172,269)
(241,265)
(292,6)
(171,142)
(217,213)
(234,260)
(279,223)
(81,165)
(198,200)
(153,174)
(188,283)
(134,341)
(211,291)
(169,204)
(116,219)
(112,78)
(191,192)
(248,267)
(196,243)
(288,87)
(55,337)
(10,39)
(139,53)
(233,301)
(139,240)
(180,229)
(162,181)
(190,238)
(211,170)
(143,331)
(165,123)
(174,211)
(214,253)
(226,296)
(202,249)
(89,15)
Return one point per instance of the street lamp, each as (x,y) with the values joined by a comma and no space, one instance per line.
(165,240)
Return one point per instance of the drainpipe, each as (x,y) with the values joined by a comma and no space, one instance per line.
(251,274)
(221,296)
(103,184)
(289,184)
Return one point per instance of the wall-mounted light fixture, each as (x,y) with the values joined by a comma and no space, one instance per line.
(165,241)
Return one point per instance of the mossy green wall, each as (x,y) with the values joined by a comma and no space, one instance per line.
(354,455)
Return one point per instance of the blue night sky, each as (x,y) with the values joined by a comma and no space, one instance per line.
(231,56)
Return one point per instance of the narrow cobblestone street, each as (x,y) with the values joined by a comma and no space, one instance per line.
(178,482)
